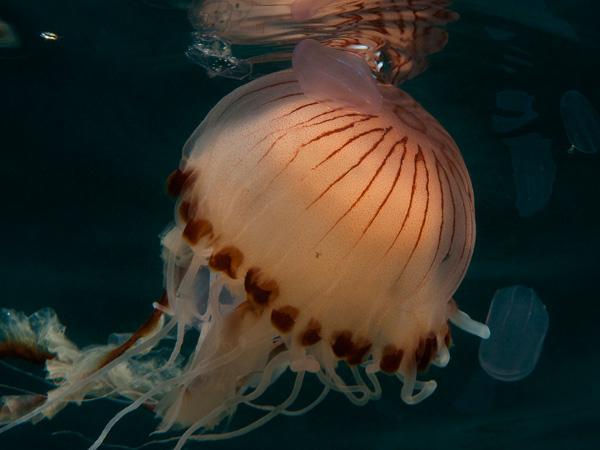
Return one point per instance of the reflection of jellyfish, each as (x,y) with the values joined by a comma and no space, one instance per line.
(341,236)
(393,36)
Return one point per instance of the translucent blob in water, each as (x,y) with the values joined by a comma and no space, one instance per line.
(581,121)
(326,73)
(533,171)
(394,37)
(8,37)
(518,322)
(515,110)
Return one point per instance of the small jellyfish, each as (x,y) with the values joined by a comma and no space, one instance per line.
(394,37)
(581,122)
(518,323)
(534,171)
(340,235)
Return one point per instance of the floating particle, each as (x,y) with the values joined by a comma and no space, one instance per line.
(49,36)
(581,122)
(518,323)
(534,171)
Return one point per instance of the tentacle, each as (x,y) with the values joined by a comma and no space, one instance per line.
(464,322)
(263,385)
(297,412)
(254,425)
(67,391)
(334,381)
(442,358)
(410,383)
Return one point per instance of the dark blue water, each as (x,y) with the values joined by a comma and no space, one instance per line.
(92,124)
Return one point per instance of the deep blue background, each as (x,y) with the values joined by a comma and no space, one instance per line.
(91,125)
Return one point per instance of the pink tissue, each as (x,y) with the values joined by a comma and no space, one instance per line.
(325,73)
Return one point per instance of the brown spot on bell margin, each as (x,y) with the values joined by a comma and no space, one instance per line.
(359,352)
(391,359)
(259,291)
(425,351)
(178,181)
(227,260)
(196,229)
(342,344)
(26,351)
(312,334)
(184,211)
(448,338)
(284,318)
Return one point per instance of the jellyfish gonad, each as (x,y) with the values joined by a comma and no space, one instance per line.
(331,233)
(394,37)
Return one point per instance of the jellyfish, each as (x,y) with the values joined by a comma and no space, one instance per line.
(519,321)
(332,234)
(393,36)
(581,122)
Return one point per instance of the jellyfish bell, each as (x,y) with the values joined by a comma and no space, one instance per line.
(394,37)
(340,235)
(343,235)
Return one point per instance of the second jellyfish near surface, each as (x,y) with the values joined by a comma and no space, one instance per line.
(341,232)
